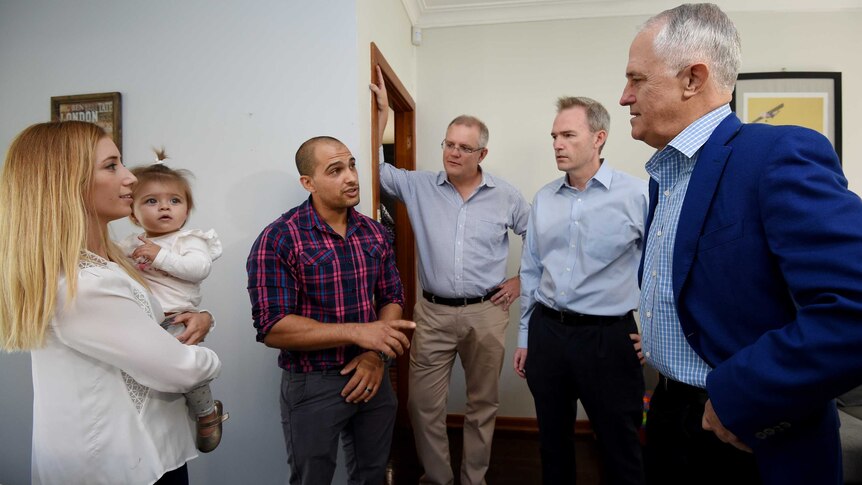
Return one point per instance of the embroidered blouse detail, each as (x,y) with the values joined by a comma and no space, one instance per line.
(91,260)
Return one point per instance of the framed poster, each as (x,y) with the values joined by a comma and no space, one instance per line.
(103,109)
(809,99)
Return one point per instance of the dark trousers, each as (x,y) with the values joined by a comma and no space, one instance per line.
(679,450)
(314,416)
(178,476)
(596,363)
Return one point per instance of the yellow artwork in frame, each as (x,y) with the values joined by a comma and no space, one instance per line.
(801,109)
(809,99)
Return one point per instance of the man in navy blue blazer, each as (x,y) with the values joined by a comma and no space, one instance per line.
(751,277)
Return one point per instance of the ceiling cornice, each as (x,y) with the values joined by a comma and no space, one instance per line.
(451,13)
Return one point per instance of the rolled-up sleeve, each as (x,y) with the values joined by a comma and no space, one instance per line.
(272,284)
(389,288)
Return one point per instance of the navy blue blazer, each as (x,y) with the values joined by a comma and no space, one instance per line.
(767,279)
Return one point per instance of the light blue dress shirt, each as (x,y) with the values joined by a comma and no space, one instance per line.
(463,245)
(583,248)
(664,344)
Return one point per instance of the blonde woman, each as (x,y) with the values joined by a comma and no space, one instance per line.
(107,383)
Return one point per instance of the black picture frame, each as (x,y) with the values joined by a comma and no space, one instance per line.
(791,98)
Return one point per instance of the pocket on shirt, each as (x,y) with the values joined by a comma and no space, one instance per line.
(374,251)
(609,239)
(489,234)
(317,257)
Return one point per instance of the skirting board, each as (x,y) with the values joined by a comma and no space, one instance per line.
(520,425)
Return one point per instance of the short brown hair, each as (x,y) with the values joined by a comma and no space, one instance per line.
(305,160)
(598,118)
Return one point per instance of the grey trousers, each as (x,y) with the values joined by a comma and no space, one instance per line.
(314,416)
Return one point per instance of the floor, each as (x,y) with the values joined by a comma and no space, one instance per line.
(514,460)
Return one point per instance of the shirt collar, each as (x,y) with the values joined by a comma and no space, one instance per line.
(309,218)
(689,141)
(487,179)
(603,177)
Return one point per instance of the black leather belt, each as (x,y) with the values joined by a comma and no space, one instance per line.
(327,371)
(677,386)
(579,319)
(458,301)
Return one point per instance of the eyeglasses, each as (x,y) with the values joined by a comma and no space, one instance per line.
(449,146)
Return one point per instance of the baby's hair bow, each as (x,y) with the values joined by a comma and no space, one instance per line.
(161,156)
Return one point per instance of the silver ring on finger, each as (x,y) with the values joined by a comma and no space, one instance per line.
(368,389)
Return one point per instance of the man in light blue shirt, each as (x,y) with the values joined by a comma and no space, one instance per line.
(461,217)
(578,290)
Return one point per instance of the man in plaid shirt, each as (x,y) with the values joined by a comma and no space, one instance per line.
(325,290)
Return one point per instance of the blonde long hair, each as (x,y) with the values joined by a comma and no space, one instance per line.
(44,187)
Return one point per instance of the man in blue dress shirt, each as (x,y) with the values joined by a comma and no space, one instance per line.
(461,217)
(751,293)
(578,290)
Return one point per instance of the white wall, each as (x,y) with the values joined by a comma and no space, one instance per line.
(230,89)
(510,76)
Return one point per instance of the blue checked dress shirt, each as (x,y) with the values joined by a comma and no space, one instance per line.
(664,344)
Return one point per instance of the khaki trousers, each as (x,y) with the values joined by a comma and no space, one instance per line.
(477,334)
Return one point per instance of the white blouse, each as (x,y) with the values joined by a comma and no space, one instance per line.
(183,262)
(108,405)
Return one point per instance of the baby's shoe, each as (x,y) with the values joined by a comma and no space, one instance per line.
(210,442)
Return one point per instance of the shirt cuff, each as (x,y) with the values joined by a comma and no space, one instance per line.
(213,324)
(522,340)
(159,260)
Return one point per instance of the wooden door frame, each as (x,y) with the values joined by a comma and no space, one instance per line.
(405,157)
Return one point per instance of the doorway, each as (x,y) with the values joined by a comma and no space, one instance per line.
(404,156)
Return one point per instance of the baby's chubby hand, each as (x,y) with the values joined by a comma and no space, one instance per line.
(146,253)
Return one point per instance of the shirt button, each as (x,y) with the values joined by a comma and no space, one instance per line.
(568,269)
(653,273)
(667,193)
(646,354)
(657,234)
(579,200)
(562,293)
(649,314)
(576,223)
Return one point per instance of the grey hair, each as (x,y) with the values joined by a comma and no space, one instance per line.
(597,116)
(698,32)
(467,120)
